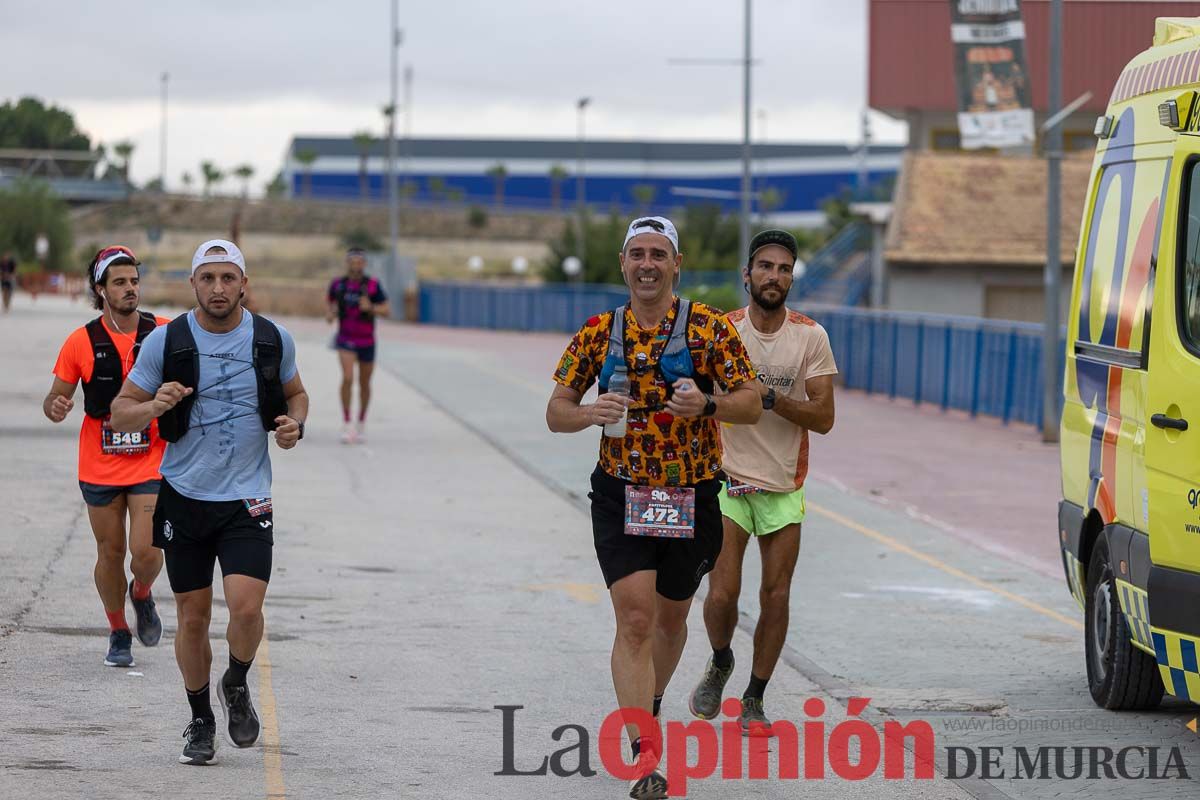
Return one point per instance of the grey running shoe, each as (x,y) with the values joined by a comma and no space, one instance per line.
(651,786)
(705,701)
(201,745)
(241,720)
(120,644)
(753,721)
(149,626)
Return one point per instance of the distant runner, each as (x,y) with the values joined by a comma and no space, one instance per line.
(118,472)
(217,379)
(355,300)
(8,277)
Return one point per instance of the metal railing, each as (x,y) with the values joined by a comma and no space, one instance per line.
(980,366)
(825,262)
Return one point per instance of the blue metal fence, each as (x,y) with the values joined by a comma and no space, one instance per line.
(981,366)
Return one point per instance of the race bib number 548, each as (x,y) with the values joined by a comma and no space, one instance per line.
(115,443)
(660,511)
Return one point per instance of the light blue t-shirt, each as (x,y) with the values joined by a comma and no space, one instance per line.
(223,455)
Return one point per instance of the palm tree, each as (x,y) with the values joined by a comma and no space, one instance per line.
(276,187)
(211,175)
(306,158)
(769,200)
(363,141)
(186,180)
(498,173)
(437,188)
(558,174)
(643,194)
(245,172)
(124,151)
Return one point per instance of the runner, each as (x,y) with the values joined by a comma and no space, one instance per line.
(355,301)
(658,465)
(118,473)
(217,379)
(8,276)
(766,465)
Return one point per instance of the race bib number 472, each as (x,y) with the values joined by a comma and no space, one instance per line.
(660,511)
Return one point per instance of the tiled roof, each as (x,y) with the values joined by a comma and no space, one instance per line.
(981,209)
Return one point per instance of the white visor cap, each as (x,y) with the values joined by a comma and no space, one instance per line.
(659,225)
(232,255)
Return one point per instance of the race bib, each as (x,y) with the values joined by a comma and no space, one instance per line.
(257,506)
(736,488)
(660,511)
(115,443)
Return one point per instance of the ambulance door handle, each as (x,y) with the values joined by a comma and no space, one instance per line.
(1163,421)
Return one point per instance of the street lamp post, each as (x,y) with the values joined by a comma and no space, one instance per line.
(580,197)
(1053,275)
(162,141)
(744,222)
(397,37)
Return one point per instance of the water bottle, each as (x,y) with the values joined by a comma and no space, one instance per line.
(618,384)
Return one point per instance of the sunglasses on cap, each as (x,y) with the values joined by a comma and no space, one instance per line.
(649,222)
(115,250)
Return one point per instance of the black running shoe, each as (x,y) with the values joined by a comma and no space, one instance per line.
(149,626)
(120,646)
(241,721)
(201,745)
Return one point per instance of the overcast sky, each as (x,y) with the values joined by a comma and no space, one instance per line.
(247,75)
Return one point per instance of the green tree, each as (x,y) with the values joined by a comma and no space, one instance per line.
(277,187)
(124,151)
(29,209)
(456,194)
(186,180)
(363,140)
(558,174)
(244,173)
(437,188)
(29,123)
(360,237)
(643,195)
(306,158)
(211,175)
(498,172)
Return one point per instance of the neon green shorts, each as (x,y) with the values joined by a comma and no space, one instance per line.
(761,513)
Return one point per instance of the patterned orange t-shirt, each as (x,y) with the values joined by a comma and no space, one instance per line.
(659,449)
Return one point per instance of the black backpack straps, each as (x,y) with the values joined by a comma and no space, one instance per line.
(268,366)
(102,389)
(181,363)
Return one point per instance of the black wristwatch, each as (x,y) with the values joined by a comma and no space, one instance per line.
(768,400)
(710,406)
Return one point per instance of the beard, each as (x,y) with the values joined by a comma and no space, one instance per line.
(771,303)
(221,311)
(126,305)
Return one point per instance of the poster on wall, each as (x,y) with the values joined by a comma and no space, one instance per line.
(994,108)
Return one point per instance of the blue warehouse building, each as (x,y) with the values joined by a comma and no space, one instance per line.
(791,180)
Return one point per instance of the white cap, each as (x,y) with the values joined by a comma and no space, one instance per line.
(110,255)
(232,255)
(659,225)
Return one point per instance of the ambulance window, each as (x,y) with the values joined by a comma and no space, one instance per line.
(1190,269)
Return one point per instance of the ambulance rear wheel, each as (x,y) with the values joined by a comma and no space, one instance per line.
(1120,676)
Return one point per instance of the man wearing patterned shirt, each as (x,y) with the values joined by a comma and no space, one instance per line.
(656,520)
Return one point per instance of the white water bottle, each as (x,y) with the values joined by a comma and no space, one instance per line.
(618,384)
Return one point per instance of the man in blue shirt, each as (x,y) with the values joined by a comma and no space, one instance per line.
(217,379)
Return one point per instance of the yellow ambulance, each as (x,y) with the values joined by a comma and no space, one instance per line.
(1129,522)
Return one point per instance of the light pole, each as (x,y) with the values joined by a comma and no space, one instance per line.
(162,139)
(396,36)
(1053,275)
(744,222)
(580,198)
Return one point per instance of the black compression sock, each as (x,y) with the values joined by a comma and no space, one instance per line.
(723,658)
(756,687)
(201,704)
(236,675)
(657,704)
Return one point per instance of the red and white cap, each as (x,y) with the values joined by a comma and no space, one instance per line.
(113,255)
(232,255)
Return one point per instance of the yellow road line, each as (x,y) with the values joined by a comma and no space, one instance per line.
(272,757)
(899,546)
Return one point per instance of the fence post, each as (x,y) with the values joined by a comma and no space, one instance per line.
(946,367)
(870,356)
(1010,377)
(978,371)
(850,353)
(920,361)
(895,356)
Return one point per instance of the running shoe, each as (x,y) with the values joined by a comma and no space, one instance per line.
(653,784)
(360,436)
(705,700)
(241,720)
(120,644)
(348,433)
(752,719)
(149,626)
(200,747)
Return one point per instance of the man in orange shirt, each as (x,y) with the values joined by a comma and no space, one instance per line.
(118,472)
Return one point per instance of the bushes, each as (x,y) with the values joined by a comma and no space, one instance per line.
(27,209)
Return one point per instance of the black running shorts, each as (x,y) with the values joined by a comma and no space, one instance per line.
(680,563)
(195,534)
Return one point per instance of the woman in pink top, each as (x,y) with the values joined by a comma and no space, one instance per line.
(355,300)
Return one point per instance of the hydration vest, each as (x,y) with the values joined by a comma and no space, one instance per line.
(107,370)
(367,286)
(181,363)
(675,361)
